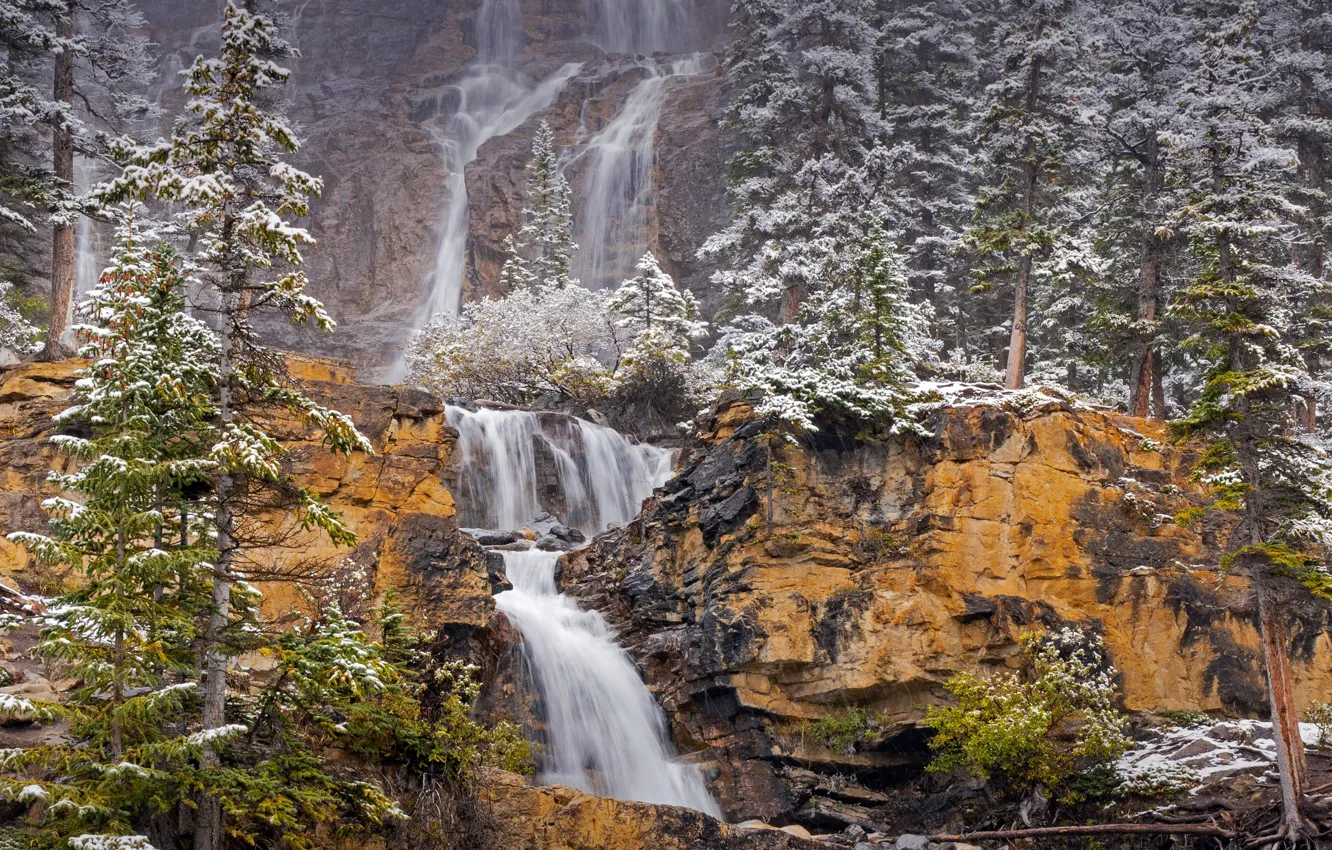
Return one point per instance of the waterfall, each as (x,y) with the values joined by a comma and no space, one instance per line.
(490,99)
(86,238)
(638,26)
(618,194)
(601,478)
(604,732)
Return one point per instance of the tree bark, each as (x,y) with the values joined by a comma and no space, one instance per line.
(1015,371)
(1285,719)
(62,233)
(1147,361)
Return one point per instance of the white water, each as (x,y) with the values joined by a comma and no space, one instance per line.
(638,26)
(604,732)
(601,478)
(490,99)
(87,241)
(618,197)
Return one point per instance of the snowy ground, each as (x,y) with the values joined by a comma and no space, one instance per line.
(1193,757)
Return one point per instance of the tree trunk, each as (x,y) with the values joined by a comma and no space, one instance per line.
(208,831)
(62,233)
(1285,720)
(1149,287)
(1015,372)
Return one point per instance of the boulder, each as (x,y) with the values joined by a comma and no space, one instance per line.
(490,537)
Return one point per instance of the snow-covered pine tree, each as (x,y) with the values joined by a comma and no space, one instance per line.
(663,317)
(515,272)
(1301,42)
(223,166)
(25,185)
(1137,50)
(101,66)
(546,237)
(1239,307)
(17,335)
(1026,135)
(929,78)
(136,541)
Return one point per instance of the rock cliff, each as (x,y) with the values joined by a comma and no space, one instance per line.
(773,585)
(794,606)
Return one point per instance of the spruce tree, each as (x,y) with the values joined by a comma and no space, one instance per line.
(137,544)
(223,166)
(1026,135)
(1239,306)
(663,317)
(546,237)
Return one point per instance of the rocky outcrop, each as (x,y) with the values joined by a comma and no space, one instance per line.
(394,499)
(557,818)
(773,585)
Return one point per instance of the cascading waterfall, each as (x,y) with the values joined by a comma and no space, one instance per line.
(604,732)
(618,194)
(490,99)
(638,26)
(602,478)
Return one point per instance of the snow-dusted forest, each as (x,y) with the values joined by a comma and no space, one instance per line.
(767,242)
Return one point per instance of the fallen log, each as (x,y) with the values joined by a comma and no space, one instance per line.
(1094,829)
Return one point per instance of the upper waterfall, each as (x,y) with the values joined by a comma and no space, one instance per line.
(515,464)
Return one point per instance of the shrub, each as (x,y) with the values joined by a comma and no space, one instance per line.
(1320,715)
(1042,727)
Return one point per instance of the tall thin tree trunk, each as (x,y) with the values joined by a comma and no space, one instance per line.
(1015,371)
(1147,360)
(62,233)
(208,833)
(1285,719)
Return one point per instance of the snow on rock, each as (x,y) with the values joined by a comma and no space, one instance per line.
(1192,757)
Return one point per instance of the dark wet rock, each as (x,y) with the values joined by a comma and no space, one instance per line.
(490,536)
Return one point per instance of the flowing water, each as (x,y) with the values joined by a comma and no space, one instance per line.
(618,196)
(601,479)
(490,99)
(638,26)
(604,732)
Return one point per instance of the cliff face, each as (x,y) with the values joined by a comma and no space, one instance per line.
(770,586)
(394,499)
(372,91)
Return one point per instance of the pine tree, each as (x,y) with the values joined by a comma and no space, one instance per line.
(137,542)
(546,236)
(100,64)
(223,166)
(929,77)
(1026,133)
(1237,216)
(663,317)
(25,186)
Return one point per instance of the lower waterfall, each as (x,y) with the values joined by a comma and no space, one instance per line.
(605,733)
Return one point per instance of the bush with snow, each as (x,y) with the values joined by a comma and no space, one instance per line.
(1043,727)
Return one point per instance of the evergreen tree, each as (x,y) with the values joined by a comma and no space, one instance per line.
(138,544)
(100,67)
(663,317)
(929,77)
(1139,48)
(1026,132)
(546,236)
(25,186)
(1238,218)
(223,167)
